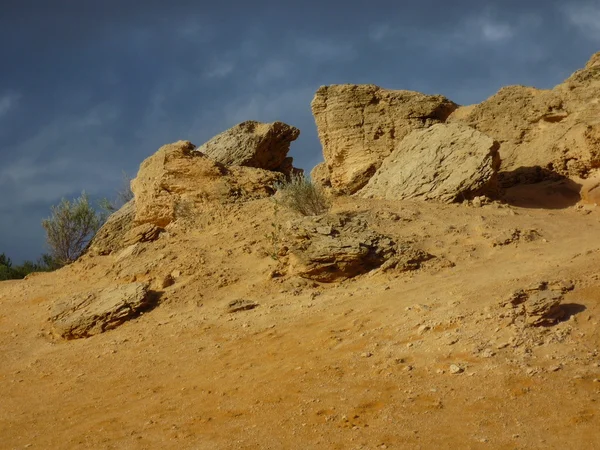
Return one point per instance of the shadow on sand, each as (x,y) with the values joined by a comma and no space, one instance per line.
(536,187)
(570,310)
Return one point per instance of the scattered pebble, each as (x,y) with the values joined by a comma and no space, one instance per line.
(488,353)
(454,369)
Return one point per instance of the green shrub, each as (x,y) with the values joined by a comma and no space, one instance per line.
(300,194)
(70,227)
(8,271)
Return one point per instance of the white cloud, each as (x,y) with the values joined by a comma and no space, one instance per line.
(220,69)
(34,177)
(325,50)
(8,102)
(46,182)
(586,18)
(474,30)
(495,31)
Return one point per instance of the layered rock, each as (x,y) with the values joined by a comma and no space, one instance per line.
(557,130)
(320,175)
(95,312)
(539,304)
(110,237)
(360,125)
(177,174)
(254,144)
(444,162)
(337,247)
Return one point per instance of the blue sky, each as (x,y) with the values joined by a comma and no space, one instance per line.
(88,89)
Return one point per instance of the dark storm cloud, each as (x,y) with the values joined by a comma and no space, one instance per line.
(91,88)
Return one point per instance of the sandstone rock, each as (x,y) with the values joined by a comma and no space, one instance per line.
(515,235)
(253,144)
(454,369)
(360,125)
(337,247)
(146,232)
(543,307)
(241,305)
(320,175)
(444,162)
(94,312)
(540,304)
(176,175)
(167,281)
(556,130)
(110,237)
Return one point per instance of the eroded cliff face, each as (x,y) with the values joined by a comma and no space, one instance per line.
(557,130)
(542,133)
(360,125)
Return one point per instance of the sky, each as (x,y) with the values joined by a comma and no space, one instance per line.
(90,88)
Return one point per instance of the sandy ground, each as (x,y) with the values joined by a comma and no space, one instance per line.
(362,364)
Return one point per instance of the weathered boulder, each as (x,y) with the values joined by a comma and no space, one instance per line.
(253,144)
(360,125)
(110,236)
(446,162)
(176,175)
(539,304)
(95,312)
(337,247)
(320,175)
(557,130)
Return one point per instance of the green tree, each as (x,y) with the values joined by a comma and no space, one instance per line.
(9,271)
(70,227)
(5,267)
(5,260)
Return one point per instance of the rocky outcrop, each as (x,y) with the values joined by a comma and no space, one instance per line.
(95,312)
(539,304)
(320,175)
(110,237)
(444,162)
(338,247)
(557,130)
(254,144)
(360,125)
(178,175)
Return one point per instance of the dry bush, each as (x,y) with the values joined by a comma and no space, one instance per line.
(300,194)
(70,228)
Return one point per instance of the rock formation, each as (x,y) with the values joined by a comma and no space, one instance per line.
(360,125)
(444,162)
(240,164)
(177,174)
(557,130)
(337,247)
(539,304)
(110,237)
(253,144)
(94,312)
(543,134)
